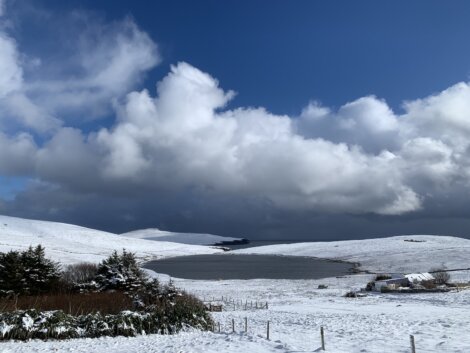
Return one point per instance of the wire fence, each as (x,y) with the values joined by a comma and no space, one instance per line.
(244,327)
(228,304)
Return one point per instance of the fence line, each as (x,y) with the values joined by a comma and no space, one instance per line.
(235,304)
(268,333)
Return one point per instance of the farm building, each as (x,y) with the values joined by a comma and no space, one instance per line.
(419,277)
(397,280)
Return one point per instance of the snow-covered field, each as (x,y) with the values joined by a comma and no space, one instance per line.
(68,243)
(184,238)
(394,254)
(378,323)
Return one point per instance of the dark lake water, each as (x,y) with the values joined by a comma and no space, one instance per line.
(225,266)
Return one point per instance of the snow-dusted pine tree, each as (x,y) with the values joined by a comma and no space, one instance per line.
(28,272)
(120,271)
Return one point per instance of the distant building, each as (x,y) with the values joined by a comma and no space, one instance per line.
(419,277)
(398,280)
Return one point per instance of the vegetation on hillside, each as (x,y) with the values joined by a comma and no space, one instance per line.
(114,298)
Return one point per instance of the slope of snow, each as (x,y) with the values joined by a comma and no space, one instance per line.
(187,342)
(68,243)
(183,238)
(394,254)
(377,323)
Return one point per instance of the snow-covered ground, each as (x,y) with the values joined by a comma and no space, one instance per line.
(184,238)
(379,323)
(68,243)
(394,254)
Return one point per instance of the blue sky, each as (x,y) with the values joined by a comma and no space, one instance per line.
(270,119)
(281,56)
(10,186)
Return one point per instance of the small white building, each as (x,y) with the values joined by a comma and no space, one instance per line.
(397,280)
(419,277)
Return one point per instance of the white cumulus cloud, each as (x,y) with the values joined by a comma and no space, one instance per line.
(362,158)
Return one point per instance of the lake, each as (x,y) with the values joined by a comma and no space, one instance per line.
(226,266)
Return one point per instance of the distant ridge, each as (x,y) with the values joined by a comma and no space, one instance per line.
(69,243)
(183,238)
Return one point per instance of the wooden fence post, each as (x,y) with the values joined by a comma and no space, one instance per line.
(246,325)
(412,341)
(267,331)
(233,325)
(219,326)
(322,335)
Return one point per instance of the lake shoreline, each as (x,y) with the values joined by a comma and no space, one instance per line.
(246,267)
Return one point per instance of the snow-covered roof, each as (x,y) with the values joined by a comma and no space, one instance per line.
(423,276)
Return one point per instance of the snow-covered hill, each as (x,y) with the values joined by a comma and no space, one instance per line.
(380,322)
(71,244)
(183,238)
(409,253)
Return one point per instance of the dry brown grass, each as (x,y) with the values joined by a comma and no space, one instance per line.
(71,303)
(429,284)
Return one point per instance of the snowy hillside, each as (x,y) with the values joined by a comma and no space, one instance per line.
(410,253)
(377,323)
(183,238)
(70,244)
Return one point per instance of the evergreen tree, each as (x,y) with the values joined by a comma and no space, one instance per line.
(41,274)
(28,272)
(11,273)
(120,271)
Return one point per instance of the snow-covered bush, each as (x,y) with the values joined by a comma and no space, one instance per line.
(28,272)
(162,309)
(31,324)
